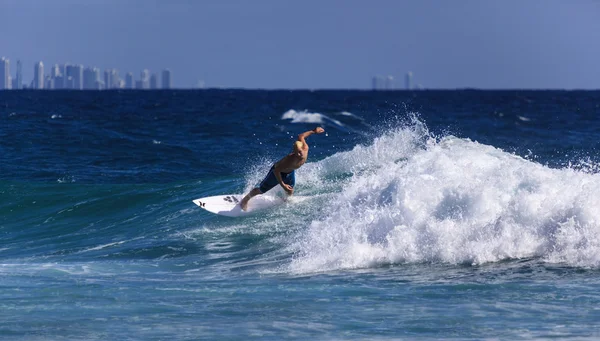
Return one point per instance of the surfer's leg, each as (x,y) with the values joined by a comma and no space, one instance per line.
(268,182)
(244,202)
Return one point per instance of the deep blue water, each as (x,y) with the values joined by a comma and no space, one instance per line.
(431,214)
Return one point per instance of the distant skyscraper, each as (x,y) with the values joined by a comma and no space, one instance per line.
(78,77)
(49,83)
(68,76)
(378,83)
(90,77)
(55,76)
(4,74)
(145,79)
(153,82)
(107,78)
(19,76)
(166,79)
(63,70)
(389,83)
(54,71)
(74,75)
(111,79)
(38,76)
(129,84)
(408,80)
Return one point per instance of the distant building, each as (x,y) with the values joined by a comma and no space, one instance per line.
(59,82)
(63,70)
(74,75)
(129,81)
(67,72)
(88,78)
(91,76)
(99,85)
(145,79)
(38,76)
(56,77)
(389,83)
(139,85)
(68,83)
(115,80)
(111,79)
(166,79)
(19,79)
(408,80)
(4,74)
(54,71)
(378,83)
(153,82)
(107,79)
(77,74)
(48,83)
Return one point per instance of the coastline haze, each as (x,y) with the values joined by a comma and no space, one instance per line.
(236,44)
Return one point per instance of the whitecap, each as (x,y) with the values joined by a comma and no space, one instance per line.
(308,117)
(411,198)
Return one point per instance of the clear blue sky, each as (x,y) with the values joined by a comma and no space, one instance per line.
(314,44)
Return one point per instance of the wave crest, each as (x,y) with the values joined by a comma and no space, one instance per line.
(409,198)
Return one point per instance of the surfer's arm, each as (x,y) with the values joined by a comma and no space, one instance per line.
(277,171)
(317,130)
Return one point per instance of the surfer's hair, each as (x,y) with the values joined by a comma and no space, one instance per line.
(298,145)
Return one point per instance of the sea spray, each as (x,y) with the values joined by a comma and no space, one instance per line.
(411,198)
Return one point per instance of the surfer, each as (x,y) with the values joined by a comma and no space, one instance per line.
(282,172)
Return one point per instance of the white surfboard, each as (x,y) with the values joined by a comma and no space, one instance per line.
(228,205)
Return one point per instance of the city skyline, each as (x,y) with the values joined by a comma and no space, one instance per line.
(78,77)
(315,44)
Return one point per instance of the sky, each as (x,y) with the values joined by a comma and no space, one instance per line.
(315,44)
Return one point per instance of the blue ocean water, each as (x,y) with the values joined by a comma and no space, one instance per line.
(461,215)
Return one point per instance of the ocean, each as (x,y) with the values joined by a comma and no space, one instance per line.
(462,215)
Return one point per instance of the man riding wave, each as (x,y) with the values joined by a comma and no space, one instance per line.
(282,172)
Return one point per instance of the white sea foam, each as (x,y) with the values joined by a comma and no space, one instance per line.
(345,113)
(308,117)
(411,198)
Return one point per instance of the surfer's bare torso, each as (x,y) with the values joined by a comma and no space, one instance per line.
(284,168)
(292,161)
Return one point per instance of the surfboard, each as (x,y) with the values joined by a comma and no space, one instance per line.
(228,205)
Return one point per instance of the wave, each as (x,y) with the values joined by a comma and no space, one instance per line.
(406,197)
(307,117)
(345,121)
(410,197)
(70,221)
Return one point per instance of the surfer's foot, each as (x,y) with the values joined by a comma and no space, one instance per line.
(244,204)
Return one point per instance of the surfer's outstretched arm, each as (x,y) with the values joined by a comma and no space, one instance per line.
(317,130)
